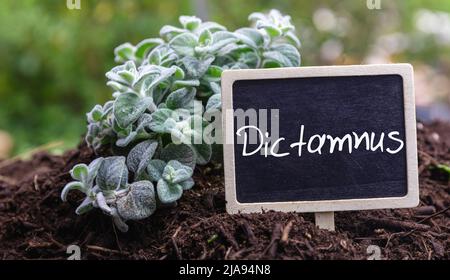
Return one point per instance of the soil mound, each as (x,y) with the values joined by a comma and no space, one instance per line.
(36,224)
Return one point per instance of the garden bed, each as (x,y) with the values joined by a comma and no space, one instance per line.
(36,224)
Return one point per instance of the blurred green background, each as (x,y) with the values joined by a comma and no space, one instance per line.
(53,59)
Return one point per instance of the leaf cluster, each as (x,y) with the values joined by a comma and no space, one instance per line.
(162,89)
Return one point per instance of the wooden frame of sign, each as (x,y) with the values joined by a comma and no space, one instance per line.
(323,208)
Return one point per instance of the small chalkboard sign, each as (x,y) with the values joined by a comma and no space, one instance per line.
(320,139)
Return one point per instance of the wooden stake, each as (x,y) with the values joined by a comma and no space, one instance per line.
(325,220)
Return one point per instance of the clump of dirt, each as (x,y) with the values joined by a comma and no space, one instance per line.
(36,224)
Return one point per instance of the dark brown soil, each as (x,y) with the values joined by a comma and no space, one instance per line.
(36,224)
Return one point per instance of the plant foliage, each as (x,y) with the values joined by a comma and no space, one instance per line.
(155,123)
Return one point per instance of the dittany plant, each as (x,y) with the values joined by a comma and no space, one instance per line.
(155,124)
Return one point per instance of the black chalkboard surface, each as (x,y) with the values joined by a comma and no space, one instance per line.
(315,114)
(331,105)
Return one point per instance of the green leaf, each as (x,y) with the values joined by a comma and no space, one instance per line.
(184,44)
(181,152)
(72,186)
(151,76)
(120,131)
(256,16)
(275,24)
(215,87)
(180,98)
(213,74)
(186,83)
(139,203)
(124,74)
(168,32)
(214,103)
(108,107)
(293,39)
(80,172)
(93,130)
(162,55)
(196,125)
(124,52)
(444,168)
(112,174)
(214,71)
(154,84)
(221,39)
(272,30)
(117,86)
(284,54)
(127,76)
(233,51)
(195,107)
(202,152)
(159,119)
(196,68)
(143,123)
(96,114)
(128,107)
(100,201)
(155,169)
(125,141)
(179,73)
(250,59)
(190,22)
(205,37)
(168,193)
(145,46)
(94,166)
(159,96)
(187,184)
(85,206)
(272,64)
(211,26)
(140,156)
(175,172)
(250,36)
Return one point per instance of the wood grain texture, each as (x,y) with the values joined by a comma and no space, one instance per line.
(326,100)
(325,220)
